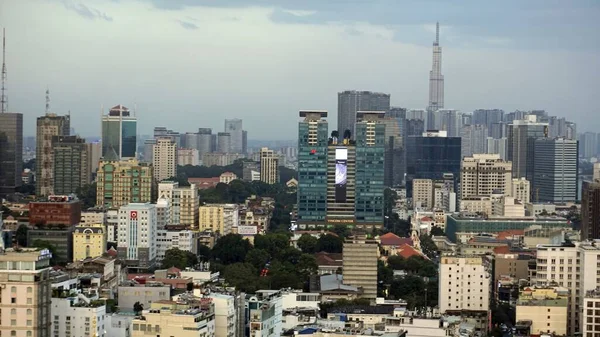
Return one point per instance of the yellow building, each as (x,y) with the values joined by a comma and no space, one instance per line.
(545,308)
(181,319)
(218,217)
(88,241)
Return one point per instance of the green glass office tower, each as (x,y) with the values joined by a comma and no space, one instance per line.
(11,152)
(72,164)
(312,167)
(119,130)
(370,167)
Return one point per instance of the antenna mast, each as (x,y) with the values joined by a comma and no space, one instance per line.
(47,101)
(3,101)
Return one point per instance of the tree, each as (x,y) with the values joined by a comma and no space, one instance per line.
(437,231)
(243,276)
(258,258)
(87,195)
(428,247)
(307,243)
(177,258)
(43,244)
(138,308)
(341,230)
(385,276)
(273,243)
(330,244)
(307,265)
(22,235)
(231,248)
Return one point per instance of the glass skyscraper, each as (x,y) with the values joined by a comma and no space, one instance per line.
(11,152)
(312,167)
(370,167)
(119,131)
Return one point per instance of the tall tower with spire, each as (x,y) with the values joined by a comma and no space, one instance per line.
(3,100)
(436,79)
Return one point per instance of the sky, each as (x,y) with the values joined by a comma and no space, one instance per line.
(186,64)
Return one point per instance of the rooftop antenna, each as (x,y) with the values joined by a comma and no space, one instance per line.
(437,34)
(3,100)
(47,101)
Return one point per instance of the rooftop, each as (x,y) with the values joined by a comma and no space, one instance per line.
(556,302)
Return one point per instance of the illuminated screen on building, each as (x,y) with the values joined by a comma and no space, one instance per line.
(341,174)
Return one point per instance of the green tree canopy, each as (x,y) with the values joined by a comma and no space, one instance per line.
(273,243)
(330,244)
(177,258)
(258,258)
(307,243)
(22,235)
(231,248)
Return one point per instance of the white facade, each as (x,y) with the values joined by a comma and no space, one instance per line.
(260,306)
(112,225)
(483,174)
(297,299)
(521,190)
(118,325)
(269,166)
(71,317)
(137,232)
(225,314)
(497,146)
(185,240)
(163,213)
(188,157)
(465,283)
(183,202)
(164,159)
(92,217)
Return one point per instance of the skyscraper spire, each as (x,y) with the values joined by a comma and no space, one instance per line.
(47,101)
(3,100)
(437,34)
(436,79)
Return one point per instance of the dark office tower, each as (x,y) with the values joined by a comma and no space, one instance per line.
(413,127)
(349,102)
(590,210)
(370,168)
(555,170)
(11,152)
(498,130)
(48,126)
(521,145)
(244,141)
(119,133)
(394,148)
(204,141)
(432,155)
(312,167)
(72,164)
(488,117)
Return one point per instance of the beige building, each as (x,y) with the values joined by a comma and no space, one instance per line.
(182,203)
(220,159)
(164,159)
(360,256)
(25,296)
(122,182)
(591,312)
(521,190)
(423,194)
(484,175)
(48,126)
(513,265)
(464,283)
(218,217)
(168,318)
(546,308)
(227,177)
(476,204)
(269,166)
(89,241)
(188,157)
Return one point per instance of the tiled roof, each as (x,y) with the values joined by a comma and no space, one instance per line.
(391,239)
(328,259)
(407,251)
(509,233)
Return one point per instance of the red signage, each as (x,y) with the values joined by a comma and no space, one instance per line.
(133,215)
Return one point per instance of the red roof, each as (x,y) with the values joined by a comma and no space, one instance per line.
(510,233)
(391,239)
(407,251)
(112,252)
(502,250)
(173,270)
(328,259)
(426,219)
(204,183)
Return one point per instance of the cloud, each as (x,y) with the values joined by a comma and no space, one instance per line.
(86,11)
(187,25)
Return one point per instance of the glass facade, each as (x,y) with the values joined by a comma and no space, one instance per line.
(370,170)
(11,152)
(312,171)
(128,139)
(119,135)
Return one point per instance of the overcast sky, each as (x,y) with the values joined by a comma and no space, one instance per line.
(187,64)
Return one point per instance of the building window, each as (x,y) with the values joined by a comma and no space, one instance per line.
(13,300)
(29,289)
(13,322)
(29,312)
(13,311)
(13,289)
(13,333)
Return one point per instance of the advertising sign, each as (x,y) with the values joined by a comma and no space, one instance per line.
(341,174)
(247,230)
(133,215)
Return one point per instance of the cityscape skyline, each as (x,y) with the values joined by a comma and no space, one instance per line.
(465,59)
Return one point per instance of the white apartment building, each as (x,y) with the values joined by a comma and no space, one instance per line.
(576,268)
(112,225)
(185,240)
(219,217)
(77,316)
(164,159)
(484,174)
(225,314)
(423,194)
(297,299)
(183,203)
(188,157)
(265,313)
(465,283)
(163,213)
(521,190)
(137,234)
(269,166)
(591,314)
(92,217)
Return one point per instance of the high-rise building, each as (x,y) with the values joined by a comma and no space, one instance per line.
(370,168)
(488,117)
(521,145)
(473,139)
(394,146)
(205,141)
(137,234)
(183,203)
(589,144)
(360,264)
(72,165)
(431,155)
(349,102)
(187,157)
(48,126)
(423,194)
(234,128)
(11,152)
(556,170)
(223,142)
(312,167)
(164,159)
(449,120)
(590,210)
(119,134)
(269,166)
(122,182)
(521,190)
(436,79)
(219,218)
(78,316)
(484,175)
(26,294)
(473,275)
(496,146)
(244,142)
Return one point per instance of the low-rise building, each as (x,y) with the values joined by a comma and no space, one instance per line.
(548,315)
(89,241)
(166,239)
(181,319)
(78,315)
(264,313)
(150,292)
(219,218)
